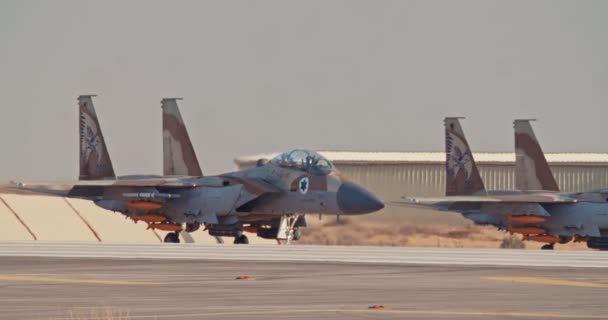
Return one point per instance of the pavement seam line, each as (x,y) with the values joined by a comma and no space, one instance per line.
(366,311)
(547,281)
(74,281)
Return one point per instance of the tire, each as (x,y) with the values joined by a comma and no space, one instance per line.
(171,237)
(242,239)
(547,247)
(297,234)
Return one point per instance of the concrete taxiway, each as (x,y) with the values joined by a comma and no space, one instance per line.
(308,253)
(131,284)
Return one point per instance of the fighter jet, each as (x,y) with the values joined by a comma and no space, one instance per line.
(544,215)
(270,200)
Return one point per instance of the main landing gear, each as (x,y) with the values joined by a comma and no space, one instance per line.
(548,246)
(191,227)
(172,237)
(242,239)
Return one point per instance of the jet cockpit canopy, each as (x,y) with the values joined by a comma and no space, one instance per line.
(306,160)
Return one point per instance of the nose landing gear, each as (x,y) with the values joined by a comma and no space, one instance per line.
(287,228)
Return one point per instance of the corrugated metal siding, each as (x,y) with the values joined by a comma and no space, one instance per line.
(347,157)
(395,181)
(429,179)
(573,178)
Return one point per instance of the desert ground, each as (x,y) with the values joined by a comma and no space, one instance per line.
(415,228)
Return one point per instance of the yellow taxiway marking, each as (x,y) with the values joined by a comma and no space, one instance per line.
(553,282)
(63,280)
(365,311)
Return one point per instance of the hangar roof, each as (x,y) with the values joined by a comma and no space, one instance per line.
(352,157)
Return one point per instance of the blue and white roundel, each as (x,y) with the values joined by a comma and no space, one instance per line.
(303,185)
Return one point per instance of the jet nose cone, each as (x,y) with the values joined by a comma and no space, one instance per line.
(354,199)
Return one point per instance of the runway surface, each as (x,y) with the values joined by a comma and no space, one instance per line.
(119,281)
(308,253)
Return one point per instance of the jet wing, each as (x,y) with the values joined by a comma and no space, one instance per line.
(526,204)
(442,203)
(36,190)
(516,198)
(153,182)
(122,195)
(256,186)
(93,189)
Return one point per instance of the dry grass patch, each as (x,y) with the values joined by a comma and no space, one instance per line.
(414,230)
(97,313)
(354,231)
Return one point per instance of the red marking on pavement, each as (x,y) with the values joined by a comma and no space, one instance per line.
(377,306)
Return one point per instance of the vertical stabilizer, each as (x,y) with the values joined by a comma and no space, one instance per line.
(532,171)
(95,160)
(462,175)
(179,158)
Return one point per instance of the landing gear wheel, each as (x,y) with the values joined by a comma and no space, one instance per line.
(297,234)
(242,239)
(548,246)
(172,237)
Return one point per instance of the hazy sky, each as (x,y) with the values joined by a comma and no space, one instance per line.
(264,76)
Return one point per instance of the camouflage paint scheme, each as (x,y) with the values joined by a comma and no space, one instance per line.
(270,199)
(539,212)
(532,171)
(179,158)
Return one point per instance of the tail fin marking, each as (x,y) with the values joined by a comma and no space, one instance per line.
(462,175)
(179,158)
(532,172)
(95,160)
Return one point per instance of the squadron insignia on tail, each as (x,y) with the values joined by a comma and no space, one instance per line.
(462,176)
(95,163)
